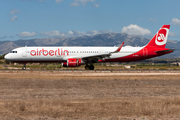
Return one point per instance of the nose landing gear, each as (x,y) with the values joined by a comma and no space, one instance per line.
(24,67)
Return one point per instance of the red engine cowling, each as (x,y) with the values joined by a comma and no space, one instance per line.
(72,62)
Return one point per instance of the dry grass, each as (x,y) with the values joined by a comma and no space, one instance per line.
(34,95)
(137,107)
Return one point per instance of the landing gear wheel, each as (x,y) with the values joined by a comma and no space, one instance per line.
(91,67)
(24,67)
(87,67)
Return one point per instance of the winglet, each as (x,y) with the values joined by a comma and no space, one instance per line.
(119,48)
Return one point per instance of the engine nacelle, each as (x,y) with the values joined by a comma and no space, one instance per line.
(72,62)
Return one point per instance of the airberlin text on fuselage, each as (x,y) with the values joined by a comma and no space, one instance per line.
(50,52)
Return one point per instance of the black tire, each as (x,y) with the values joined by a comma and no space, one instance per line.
(87,67)
(24,68)
(91,67)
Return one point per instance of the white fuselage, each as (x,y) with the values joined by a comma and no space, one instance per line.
(63,53)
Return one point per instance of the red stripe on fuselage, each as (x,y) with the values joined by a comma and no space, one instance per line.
(138,55)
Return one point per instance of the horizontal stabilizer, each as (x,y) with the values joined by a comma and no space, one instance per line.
(164,51)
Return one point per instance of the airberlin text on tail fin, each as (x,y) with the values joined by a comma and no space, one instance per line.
(160,39)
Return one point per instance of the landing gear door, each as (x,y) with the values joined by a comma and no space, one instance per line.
(24,52)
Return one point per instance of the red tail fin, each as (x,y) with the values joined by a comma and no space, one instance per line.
(160,39)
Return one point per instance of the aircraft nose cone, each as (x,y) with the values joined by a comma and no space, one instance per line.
(7,57)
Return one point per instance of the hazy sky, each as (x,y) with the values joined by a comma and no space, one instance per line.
(27,19)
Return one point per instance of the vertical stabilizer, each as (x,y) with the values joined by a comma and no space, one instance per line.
(160,39)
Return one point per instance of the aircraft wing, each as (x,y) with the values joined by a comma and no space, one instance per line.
(90,58)
(95,58)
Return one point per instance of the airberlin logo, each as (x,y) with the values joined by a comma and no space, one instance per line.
(43,52)
(161,36)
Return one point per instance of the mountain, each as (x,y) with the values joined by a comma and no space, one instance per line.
(107,39)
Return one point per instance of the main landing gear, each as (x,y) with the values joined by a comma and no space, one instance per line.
(89,67)
(24,67)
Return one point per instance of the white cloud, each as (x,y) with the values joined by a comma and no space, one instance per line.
(26,34)
(14,11)
(74,33)
(52,33)
(135,30)
(74,4)
(14,18)
(172,34)
(92,32)
(175,21)
(58,1)
(153,20)
(96,5)
(83,2)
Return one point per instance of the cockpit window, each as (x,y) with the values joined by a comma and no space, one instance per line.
(13,52)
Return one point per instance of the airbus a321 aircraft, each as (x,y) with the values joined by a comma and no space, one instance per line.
(76,56)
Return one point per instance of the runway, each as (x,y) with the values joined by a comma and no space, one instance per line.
(81,73)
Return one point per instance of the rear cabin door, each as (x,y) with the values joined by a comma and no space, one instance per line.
(145,52)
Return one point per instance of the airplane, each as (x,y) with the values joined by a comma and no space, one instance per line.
(77,56)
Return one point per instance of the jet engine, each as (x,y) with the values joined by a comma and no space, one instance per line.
(72,62)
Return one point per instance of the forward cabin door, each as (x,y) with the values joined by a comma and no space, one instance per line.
(24,52)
